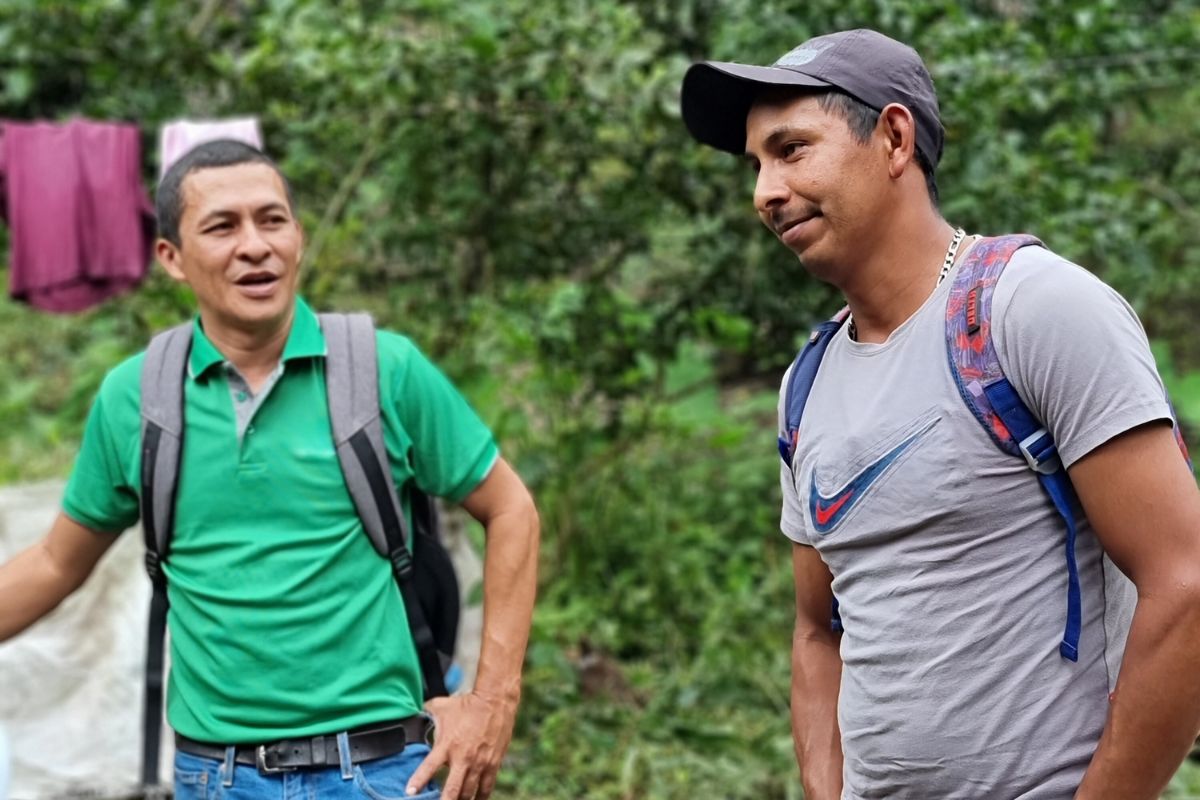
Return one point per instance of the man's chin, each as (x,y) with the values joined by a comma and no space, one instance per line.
(816,266)
(255,316)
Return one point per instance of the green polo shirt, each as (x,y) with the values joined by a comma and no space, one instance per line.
(284,620)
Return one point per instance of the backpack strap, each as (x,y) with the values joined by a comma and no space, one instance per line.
(352,386)
(1178,430)
(351,374)
(995,403)
(162,444)
(162,437)
(800,382)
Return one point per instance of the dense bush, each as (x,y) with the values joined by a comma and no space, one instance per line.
(511,185)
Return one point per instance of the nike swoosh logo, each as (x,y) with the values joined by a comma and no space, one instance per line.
(829,510)
(823,515)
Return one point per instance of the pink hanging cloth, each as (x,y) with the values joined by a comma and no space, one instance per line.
(181,135)
(81,224)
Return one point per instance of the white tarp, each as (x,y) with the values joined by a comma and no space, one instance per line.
(71,686)
(4,766)
(71,699)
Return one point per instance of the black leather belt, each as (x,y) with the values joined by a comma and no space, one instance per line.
(288,755)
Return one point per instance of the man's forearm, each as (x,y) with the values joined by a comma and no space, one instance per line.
(474,729)
(29,589)
(44,574)
(816,681)
(510,586)
(1155,712)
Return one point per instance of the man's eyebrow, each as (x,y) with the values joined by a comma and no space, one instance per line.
(214,215)
(228,213)
(781,132)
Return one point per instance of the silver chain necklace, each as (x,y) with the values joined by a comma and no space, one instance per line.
(951,252)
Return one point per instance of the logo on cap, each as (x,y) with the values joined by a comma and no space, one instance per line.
(799,56)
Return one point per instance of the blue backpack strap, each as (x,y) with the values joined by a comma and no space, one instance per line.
(1041,454)
(995,403)
(800,382)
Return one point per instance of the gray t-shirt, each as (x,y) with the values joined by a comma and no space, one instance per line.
(948,558)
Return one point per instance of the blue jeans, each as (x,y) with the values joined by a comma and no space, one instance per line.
(198,778)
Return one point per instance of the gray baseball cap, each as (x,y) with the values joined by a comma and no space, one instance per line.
(865,64)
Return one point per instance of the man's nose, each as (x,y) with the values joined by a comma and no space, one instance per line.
(253,246)
(770,190)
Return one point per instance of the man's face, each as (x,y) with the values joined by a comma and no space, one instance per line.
(818,188)
(240,246)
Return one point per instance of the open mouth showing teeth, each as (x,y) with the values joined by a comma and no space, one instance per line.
(255,280)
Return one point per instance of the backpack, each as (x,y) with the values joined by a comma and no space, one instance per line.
(988,394)
(425,575)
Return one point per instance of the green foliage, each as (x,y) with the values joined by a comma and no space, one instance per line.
(511,184)
(660,657)
(1186,783)
(54,364)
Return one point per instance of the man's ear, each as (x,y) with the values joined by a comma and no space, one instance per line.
(899,132)
(168,255)
(303,242)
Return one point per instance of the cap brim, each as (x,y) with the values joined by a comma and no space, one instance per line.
(717,95)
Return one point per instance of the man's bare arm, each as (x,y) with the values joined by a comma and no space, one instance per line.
(1145,509)
(474,729)
(816,679)
(43,575)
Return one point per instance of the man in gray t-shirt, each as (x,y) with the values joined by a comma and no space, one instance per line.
(947,555)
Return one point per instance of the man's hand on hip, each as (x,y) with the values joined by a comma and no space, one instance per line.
(472,734)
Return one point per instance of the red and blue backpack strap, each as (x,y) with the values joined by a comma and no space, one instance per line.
(801,379)
(1183,448)
(991,398)
(995,403)
(800,382)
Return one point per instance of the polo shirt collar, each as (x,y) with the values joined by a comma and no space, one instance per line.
(305,340)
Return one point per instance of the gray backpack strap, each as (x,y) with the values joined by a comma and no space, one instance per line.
(352,386)
(162,444)
(162,434)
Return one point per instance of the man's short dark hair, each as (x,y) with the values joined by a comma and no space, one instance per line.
(168,200)
(861,119)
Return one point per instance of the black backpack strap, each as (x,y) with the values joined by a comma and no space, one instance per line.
(162,444)
(352,386)
(438,590)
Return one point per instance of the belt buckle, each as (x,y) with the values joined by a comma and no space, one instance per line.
(260,761)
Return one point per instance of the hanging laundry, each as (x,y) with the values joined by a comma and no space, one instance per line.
(181,135)
(81,224)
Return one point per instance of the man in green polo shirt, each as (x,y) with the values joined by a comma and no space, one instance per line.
(285,622)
